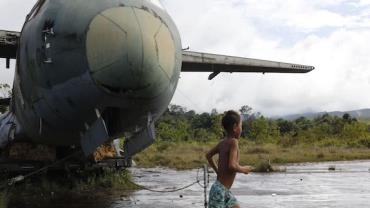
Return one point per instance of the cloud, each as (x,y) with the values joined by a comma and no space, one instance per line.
(333,35)
(334,42)
(13,14)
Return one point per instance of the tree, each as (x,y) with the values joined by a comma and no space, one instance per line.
(173,131)
(190,115)
(245,109)
(286,126)
(259,129)
(216,125)
(325,118)
(245,112)
(202,121)
(347,118)
(303,123)
(176,109)
(5,92)
(214,112)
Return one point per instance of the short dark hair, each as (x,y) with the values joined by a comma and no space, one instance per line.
(230,119)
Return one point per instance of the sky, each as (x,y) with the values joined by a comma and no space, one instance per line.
(332,35)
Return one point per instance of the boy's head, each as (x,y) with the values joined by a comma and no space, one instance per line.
(232,123)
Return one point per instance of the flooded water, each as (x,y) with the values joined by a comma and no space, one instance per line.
(300,186)
(303,185)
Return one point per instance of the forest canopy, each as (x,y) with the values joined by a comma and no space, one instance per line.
(180,124)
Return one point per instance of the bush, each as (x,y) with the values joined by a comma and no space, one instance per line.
(364,142)
(257,150)
(178,124)
(288,141)
(263,167)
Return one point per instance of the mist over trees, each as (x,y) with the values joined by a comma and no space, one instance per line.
(180,124)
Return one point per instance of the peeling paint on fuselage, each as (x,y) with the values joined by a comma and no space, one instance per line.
(55,81)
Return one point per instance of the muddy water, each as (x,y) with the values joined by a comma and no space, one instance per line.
(302,185)
(305,185)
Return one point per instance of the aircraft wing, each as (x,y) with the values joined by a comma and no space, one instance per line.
(8,45)
(204,62)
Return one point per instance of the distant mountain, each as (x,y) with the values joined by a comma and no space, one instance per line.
(359,114)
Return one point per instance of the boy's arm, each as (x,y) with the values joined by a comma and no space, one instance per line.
(233,159)
(210,160)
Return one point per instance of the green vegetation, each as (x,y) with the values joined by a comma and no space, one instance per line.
(47,189)
(106,179)
(183,137)
(2,200)
(263,166)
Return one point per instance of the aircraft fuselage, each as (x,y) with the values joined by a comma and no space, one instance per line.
(90,71)
(79,59)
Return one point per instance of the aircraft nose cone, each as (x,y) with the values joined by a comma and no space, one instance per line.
(130,51)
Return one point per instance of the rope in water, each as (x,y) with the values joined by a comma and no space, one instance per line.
(11,182)
(21,178)
(171,190)
(163,191)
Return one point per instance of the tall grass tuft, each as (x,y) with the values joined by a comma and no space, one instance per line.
(81,185)
(263,166)
(2,200)
(106,179)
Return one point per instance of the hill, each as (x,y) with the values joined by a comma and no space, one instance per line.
(362,114)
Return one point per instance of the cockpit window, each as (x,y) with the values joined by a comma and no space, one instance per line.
(35,10)
(157,3)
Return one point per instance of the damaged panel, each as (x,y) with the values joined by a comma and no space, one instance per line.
(140,141)
(96,135)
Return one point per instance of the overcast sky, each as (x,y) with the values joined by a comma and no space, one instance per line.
(332,35)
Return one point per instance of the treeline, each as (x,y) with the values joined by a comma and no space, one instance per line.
(179,124)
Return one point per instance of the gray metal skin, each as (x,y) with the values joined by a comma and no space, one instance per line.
(90,71)
(205,62)
(56,94)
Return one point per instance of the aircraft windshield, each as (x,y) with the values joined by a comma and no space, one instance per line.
(157,3)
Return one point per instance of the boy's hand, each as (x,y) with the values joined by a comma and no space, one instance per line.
(247,169)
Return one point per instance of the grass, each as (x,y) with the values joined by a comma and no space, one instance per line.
(180,155)
(263,167)
(2,200)
(185,155)
(108,179)
(84,186)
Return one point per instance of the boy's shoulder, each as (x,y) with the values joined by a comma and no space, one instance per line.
(231,140)
(228,142)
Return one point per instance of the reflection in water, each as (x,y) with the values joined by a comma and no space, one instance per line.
(306,185)
(48,200)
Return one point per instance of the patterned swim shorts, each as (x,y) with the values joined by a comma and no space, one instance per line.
(221,197)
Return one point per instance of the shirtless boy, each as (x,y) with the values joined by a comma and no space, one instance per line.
(228,163)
